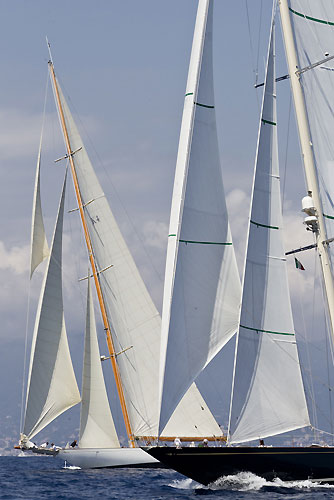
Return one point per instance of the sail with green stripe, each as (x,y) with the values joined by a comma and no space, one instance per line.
(268,396)
(202,287)
(312,25)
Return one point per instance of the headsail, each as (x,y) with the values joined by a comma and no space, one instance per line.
(97,429)
(39,244)
(52,387)
(268,395)
(134,318)
(202,286)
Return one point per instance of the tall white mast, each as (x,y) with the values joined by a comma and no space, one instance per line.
(308,156)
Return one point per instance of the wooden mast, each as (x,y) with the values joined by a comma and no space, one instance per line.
(110,343)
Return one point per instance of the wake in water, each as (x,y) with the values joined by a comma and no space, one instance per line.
(71,467)
(246,481)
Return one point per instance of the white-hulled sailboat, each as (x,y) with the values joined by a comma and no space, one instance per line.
(132,325)
(268,396)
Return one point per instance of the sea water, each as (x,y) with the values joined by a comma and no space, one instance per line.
(32,478)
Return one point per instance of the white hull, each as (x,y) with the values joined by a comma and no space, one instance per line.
(90,458)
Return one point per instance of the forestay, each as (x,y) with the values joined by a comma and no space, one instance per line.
(202,287)
(97,428)
(52,387)
(313,27)
(135,321)
(268,395)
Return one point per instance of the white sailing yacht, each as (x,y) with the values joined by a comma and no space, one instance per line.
(268,396)
(132,325)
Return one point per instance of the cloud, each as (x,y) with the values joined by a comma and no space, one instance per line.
(18,138)
(155,234)
(15,260)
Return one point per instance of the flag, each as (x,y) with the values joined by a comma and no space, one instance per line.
(299,265)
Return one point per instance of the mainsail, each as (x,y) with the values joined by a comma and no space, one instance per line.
(52,387)
(134,318)
(202,287)
(97,428)
(268,396)
(308,36)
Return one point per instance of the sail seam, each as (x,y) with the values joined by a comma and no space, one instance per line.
(268,121)
(311,18)
(205,242)
(328,216)
(265,331)
(263,225)
(203,105)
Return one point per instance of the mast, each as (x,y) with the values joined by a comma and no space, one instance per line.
(308,157)
(110,343)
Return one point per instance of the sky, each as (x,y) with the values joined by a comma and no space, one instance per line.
(123,66)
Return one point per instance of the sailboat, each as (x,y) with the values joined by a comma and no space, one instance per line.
(131,322)
(268,395)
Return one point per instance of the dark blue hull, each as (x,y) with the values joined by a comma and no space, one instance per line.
(206,465)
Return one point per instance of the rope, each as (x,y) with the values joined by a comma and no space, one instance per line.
(320,430)
(29,290)
(286,153)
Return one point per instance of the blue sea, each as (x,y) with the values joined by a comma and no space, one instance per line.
(33,478)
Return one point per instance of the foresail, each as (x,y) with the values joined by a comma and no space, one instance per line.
(192,418)
(135,321)
(268,394)
(97,429)
(202,287)
(39,245)
(52,386)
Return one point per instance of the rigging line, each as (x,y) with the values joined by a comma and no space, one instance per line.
(29,289)
(313,317)
(323,432)
(306,336)
(133,227)
(25,362)
(258,50)
(328,341)
(286,153)
(72,232)
(251,44)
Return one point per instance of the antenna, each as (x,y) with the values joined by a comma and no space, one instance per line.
(49,49)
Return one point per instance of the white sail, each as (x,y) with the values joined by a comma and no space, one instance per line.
(308,34)
(39,245)
(202,286)
(312,23)
(97,429)
(268,394)
(192,418)
(135,321)
(52,386)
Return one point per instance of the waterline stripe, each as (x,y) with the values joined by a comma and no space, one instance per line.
(265,331)
(203,105)
(263,225)
(328,216)
(311,18)
(268,121)
(189,93)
